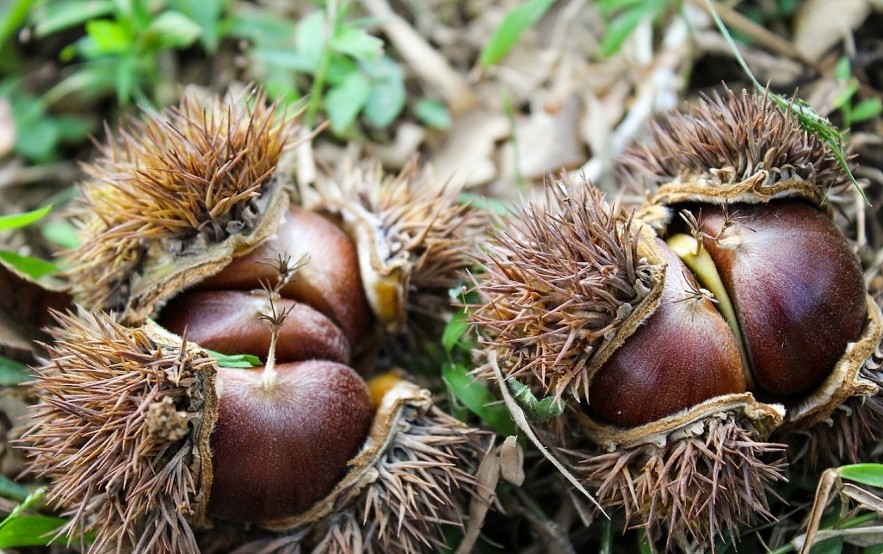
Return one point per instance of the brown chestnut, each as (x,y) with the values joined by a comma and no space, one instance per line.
(329,281)
(683,354)
(230,322)
(278,449)
(796,287)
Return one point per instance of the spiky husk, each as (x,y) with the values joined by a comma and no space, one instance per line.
(415,239)
(722,141)
(558,284)
(851,427)
(693,489)
(118,432)
(418,485)
(191,175)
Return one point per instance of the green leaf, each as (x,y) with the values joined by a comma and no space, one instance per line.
(173,29)
(33,267)
(536,410)
(866,110)
(13,373)
(310,38)
(433,113)
(834,545)
(108,37)
(62,233)
(343,103)
(207,14)
(475,396)
(236,361)
(387,96)
(866,474)
(454,331)
(56,16)
(15,221)
(631,14)
(518,20)
(261,26)
(30,530)
(12,17)
(357,43)
(286,58)
(11,489)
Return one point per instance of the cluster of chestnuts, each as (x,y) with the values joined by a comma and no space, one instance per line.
(692,338)
(200,253)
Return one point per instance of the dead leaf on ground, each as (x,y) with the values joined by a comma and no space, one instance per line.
(820,24)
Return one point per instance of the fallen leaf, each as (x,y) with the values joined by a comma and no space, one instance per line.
(820,24)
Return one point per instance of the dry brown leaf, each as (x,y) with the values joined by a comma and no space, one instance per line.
(820,24)
(512,461)
(545,143)
(467,156)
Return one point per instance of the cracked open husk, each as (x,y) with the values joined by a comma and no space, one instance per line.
(175,199)
(565,284)
(123,433)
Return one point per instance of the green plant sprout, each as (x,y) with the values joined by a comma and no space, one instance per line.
(348,73)
(126,45)
(851,111)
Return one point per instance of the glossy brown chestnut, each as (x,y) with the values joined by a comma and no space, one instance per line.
(277,450)
(683,354)
(230,322)
(330,280)
(796,287)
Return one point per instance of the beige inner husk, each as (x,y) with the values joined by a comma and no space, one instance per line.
(166,273)
(757,189)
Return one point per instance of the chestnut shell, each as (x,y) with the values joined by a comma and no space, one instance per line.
(683,354)
(796,286)
(277,451)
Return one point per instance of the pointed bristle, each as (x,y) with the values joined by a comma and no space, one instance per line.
(695,489)
(558,281)
(192,172)
(422,483)
(728,139)
(851,430)
(424,225)
(113,435)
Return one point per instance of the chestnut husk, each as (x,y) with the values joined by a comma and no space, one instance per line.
(158,481)
(410,234)
(704,472)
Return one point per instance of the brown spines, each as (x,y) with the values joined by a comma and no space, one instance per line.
(724,140)
(193,174)
(415,239)
(694,489)
(557,284)
(119,432)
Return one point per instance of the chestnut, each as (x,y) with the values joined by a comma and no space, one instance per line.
(329,279)
(687,392)
(230,322)
(683,354)
(277,450)
(796,285)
